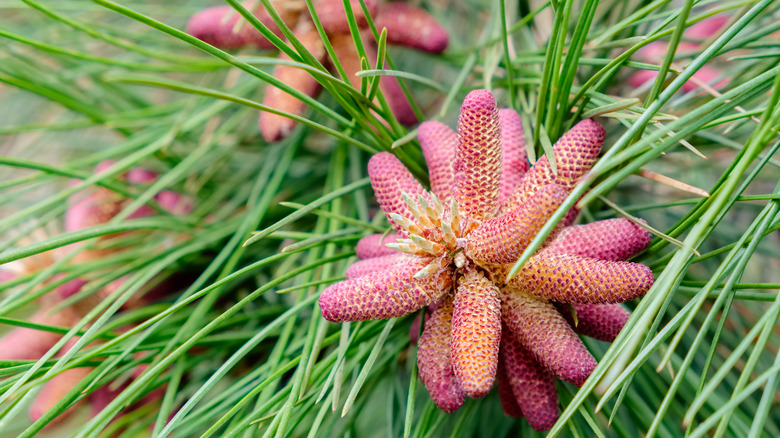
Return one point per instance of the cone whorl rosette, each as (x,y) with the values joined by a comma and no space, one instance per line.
(455,245)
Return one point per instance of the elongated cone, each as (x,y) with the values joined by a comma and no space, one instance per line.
(219,27)
(434,359)
(611,239)
(348,56)
(333,16)
(504,238)
(216,26)
(275,127)
(136,175)
(538,326)
(363,267)
(505,393)
(476,333)
(438,143)
(389,177)
(389,293)
(532,385)
(375,245)
(575,153)
(515,161)
(598,321)
(478,156)
(656,51)
(574,279)
(412,27)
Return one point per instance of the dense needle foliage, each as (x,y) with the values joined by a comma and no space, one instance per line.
(237,346)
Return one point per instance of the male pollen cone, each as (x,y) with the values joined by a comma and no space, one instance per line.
(454,246)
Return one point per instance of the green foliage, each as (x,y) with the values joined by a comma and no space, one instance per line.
(238,347)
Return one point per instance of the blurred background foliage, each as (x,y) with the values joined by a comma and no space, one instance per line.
(237,346)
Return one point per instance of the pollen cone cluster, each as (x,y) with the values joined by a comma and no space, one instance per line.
(453,247)
(406,25)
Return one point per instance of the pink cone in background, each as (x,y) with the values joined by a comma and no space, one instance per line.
(406,25)
(92,207)
(655,52)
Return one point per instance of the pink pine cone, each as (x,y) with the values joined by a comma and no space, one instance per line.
(611,239)
(476,333)
(412,27)
(275,127)
(504,238)
(389,177)
(505,393)
(333,16)
(538,326)
(375,264)
(384,294)
(435,362)
(532,385)
(478,156)
(514,165)
(397,101)
(598,321)
(375,245)
(707,27)
(565,278)
(706,74)
(438,143)
(175,203)
(575,153)
(30,344)
(217,26)
(349,58)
